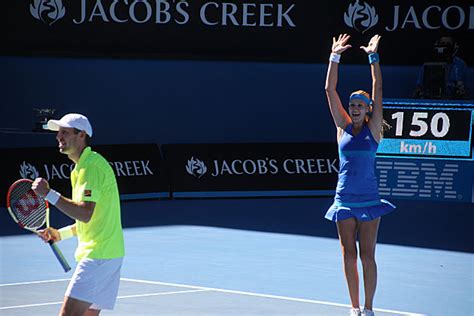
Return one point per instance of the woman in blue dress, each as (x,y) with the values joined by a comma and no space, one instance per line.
(357,207)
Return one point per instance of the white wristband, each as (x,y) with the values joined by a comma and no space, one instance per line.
(65,232)
(52,196)
(335,57)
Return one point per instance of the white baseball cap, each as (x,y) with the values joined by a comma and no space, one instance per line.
(71,120)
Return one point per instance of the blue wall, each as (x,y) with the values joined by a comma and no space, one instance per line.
(130,101)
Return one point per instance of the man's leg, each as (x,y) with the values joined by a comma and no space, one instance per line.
(75,307)
(92,312)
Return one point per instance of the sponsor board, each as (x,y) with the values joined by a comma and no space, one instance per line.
(425,179)
(230,170)
(138,169)
(305,169)
(284,30)
(242,170)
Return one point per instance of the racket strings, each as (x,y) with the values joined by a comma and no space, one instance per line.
(29,209)
(35,220)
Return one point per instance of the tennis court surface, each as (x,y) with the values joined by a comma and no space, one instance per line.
(196,270)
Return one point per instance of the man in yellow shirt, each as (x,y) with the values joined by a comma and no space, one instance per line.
(95,206)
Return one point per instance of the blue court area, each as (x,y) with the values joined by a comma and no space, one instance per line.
(204,270)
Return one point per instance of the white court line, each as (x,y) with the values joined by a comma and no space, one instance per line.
(200,289)
(62,280)
(34,282)
(162,293)
(30,305)
(124,296)
(267,296)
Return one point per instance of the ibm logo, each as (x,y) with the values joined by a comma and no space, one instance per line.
(412,179)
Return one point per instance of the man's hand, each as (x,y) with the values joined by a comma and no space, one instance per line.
(48,234)
(40,186)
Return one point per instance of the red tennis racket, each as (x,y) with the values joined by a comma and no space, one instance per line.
(31,212)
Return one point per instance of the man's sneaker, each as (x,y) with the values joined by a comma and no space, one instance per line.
(355,312)
(367,312)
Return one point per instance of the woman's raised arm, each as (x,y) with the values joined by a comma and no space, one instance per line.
(376,120)
(339,114)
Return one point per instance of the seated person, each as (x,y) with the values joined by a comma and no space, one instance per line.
(444,76)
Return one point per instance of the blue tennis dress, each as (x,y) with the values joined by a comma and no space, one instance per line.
(357,192)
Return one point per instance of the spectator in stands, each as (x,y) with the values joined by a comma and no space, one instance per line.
(443,76)
(357,207)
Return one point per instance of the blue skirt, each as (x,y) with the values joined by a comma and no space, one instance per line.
(363,211)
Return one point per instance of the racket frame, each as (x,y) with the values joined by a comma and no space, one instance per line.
(57,252)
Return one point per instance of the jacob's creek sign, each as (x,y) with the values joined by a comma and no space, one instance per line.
(214,170)
(359,15)
(287,30)
(167,12)
(138,169)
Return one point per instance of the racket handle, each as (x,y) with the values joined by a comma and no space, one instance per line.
(59,256)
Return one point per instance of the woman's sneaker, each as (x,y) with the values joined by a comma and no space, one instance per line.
(367,312)
(355,312)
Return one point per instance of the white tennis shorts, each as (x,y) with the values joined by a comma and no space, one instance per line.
(96,281)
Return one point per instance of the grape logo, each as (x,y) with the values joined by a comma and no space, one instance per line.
(361,17)
(48,11)
(196,167)
(28,171)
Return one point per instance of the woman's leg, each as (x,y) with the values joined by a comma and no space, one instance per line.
(367,241)
(347,230)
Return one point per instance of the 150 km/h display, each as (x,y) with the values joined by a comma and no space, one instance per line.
(424,129)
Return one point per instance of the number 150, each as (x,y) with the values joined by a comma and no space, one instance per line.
(420,119)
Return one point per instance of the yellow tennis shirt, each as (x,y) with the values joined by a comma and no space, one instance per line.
(93,180)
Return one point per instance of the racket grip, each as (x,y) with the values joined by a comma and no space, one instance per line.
(59,255)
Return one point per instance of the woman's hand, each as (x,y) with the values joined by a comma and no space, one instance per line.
(373,45)
(340,45)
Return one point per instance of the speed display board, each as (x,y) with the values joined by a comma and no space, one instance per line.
(428,129)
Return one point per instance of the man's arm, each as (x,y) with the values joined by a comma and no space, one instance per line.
(81,211)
